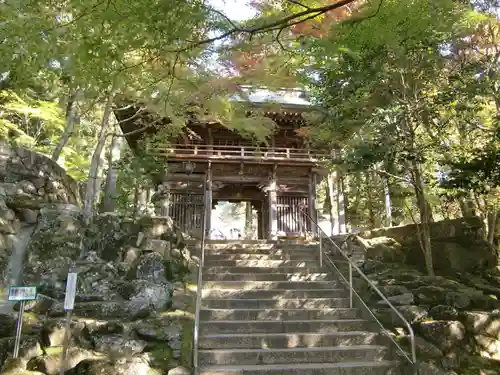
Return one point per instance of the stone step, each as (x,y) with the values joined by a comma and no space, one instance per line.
(284,269)
(277,276)
(276,293)
(229,244)
(302,256)
(343,368)
(272,303)
(257,251)
(289,326)
(261,263)
(287,340)
(295,355)
(278,314)
(271,285)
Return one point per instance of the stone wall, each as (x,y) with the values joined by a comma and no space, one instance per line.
(38,209)
(457,246)
(471,228)
(41,179)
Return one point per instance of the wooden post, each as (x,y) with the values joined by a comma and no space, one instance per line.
(208,201)
(273,207)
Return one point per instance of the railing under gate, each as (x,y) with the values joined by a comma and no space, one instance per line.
(324,256)
(225,152)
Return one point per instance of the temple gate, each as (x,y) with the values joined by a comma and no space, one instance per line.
(219,165)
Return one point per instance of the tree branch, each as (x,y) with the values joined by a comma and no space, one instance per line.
(298,3)
(282,23)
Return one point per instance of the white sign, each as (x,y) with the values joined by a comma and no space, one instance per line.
(69,299)
(22,293)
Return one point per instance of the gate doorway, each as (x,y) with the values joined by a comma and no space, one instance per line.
(234,220)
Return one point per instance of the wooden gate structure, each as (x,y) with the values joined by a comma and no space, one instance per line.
(210,163)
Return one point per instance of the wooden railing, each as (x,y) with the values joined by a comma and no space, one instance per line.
(217,152)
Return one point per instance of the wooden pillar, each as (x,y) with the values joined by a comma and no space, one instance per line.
(208,201)
(273,207)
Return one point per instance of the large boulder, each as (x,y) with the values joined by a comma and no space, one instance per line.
(483,323)
(149,297)
(444,334)
(489,347)
(385,249)
(117,346)
(50,364)
(132,366)
(151,267)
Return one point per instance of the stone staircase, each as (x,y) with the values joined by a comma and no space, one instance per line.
(269,309)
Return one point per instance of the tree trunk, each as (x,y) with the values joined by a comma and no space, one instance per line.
(109,201)
(141,200)
(423,205)
(71,113)
(492,226)
(91,191)
(331,194)
(341,204)
(369,183)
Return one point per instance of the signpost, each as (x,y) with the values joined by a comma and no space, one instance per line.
(69,303)
(21,294)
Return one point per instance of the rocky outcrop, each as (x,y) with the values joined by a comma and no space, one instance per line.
(133,310)
(125,318)
(456,320)
(457,246)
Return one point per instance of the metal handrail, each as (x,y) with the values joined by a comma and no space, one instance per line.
(352,265)
(199,287)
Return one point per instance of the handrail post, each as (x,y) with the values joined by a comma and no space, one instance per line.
(200,278)
(320,251)
(349,251)
(350,285)
(320,246)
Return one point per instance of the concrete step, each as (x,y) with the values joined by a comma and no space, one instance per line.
(289,326)
(352,368)
(271,285)
(295,355)
(278,314)
(277,276)
(276,293)
(302,256)
(287,340)
(284,269)
(273,303)
(262,263)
